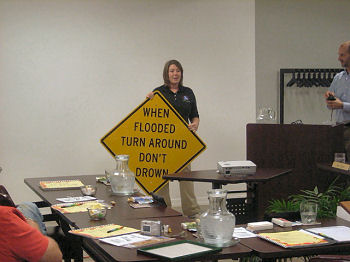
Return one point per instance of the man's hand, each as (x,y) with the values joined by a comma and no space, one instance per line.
(328,93)
(334,104)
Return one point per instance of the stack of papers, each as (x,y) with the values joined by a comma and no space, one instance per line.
(118,235)
(241,232)
(134,240)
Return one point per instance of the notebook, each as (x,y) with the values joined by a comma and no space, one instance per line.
(295,239)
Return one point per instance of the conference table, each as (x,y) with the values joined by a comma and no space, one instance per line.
(121,214)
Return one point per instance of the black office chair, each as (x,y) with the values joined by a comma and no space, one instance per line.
(5,199)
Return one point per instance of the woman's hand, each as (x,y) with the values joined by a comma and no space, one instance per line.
(194,124)
(150,95)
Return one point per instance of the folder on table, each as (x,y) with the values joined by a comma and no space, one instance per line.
(179,250)
(295,239)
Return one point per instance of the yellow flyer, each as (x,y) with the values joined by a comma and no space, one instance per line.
(103,231)
(61,184)
(77,206)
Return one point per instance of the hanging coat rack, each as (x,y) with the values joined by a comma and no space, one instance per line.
(305,78)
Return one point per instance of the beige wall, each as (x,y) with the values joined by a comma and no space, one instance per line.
(297,34)
(71,70)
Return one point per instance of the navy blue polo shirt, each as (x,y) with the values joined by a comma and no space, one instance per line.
(184,101)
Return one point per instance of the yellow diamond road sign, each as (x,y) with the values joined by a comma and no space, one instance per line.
(158,141)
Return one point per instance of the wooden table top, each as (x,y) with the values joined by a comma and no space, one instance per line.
(261,175)
(127,255)
(328,167)
(123,214)
(122,210)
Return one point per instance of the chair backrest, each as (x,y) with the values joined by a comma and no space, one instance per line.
(5,199)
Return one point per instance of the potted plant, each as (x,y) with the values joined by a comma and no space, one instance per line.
(327,202)
(287,209)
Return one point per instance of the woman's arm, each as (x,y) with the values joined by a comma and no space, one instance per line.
(194,124)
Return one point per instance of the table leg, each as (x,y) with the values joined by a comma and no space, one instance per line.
(74,247)
(252,199)
(216,185)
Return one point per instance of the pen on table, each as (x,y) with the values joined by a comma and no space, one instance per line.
(320,234)
(325,236)
(115,229)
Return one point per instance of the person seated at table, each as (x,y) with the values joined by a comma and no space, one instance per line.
(28,209)
(31,211)
(21,239)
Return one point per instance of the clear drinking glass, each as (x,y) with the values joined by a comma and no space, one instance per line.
(266,115)
(308,212)
(339,157)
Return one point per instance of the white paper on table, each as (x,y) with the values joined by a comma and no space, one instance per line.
(75,199)
(338,233)
(241,232)
(125,239)
(183,249)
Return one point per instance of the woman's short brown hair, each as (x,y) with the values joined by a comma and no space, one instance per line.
(166,71)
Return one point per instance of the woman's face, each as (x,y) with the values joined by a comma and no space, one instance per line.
(174,75)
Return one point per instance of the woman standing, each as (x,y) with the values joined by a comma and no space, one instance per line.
(184,101)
